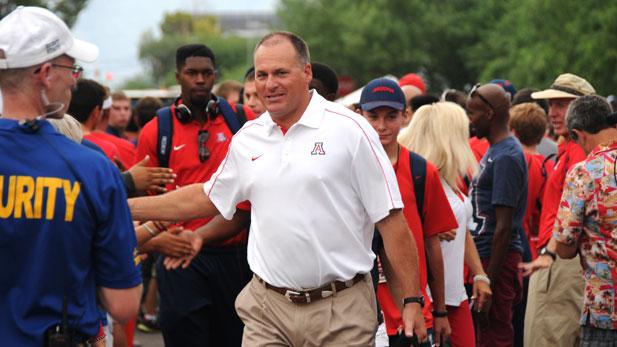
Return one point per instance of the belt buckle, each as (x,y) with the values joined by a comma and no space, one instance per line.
(290,293)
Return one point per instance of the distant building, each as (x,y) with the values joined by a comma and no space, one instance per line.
(248,24)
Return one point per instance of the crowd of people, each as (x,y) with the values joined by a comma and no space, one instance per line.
(263,212)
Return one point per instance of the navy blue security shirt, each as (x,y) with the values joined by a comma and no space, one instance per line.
(501,181)
(65,229)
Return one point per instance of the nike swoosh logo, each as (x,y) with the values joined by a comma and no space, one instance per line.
(255,158)
(178,147)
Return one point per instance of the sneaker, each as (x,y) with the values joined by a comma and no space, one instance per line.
(147,325)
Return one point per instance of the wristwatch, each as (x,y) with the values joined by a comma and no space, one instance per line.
(438,314)
(544,251)
(416,299)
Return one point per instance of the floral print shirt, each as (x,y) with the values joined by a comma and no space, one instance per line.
(588,216)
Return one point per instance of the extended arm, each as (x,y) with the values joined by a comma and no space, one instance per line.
(187,203)
(401,251)
(217,230)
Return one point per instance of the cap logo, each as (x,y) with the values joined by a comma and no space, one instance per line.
(383,89)
(53,46)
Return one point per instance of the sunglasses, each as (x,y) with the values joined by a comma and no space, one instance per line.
(474,90)
(573,136)
(76,70)
(204,152)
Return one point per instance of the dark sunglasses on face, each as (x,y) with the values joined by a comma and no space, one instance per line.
(475,91)
(573,136)
(204,152)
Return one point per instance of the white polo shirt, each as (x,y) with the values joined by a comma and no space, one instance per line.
(315,194)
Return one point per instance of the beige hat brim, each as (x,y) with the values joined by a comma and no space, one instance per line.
(553,94)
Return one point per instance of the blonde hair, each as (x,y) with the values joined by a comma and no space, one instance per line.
(439,132)
(68,126)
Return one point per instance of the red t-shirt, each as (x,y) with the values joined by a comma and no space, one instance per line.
(125,148)
(569,154)
(478,147)
(108,148)
(438,217)
(184,156)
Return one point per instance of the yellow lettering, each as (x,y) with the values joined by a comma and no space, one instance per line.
(38,197)
(25,191)
(7,209)
(71,196)
(52,185)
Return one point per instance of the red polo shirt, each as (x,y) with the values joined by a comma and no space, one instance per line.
(569,154)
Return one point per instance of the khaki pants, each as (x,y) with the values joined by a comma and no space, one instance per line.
(554,305)
(347,318)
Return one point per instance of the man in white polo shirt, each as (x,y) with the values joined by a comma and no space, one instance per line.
(318,180)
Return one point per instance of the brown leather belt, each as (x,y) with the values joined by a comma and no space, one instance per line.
(305,297)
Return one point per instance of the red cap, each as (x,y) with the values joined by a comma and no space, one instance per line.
(411,79)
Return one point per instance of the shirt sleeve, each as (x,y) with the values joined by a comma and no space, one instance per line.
(117,263)
(577,190)
(225,188)
(438,215)
(509,181)
(373,177)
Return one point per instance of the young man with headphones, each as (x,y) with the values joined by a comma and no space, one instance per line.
(197,303)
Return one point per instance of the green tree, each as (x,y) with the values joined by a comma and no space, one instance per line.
(366,39)
(537,40)
(159,54)
(456,43)
(68,10)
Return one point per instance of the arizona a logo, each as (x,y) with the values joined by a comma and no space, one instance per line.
(318,149)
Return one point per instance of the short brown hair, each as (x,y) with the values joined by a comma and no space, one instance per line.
(529,121)
(118,96)
(228,87)
(302,51)
(146,108)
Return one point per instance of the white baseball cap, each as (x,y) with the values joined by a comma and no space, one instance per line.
(33,35)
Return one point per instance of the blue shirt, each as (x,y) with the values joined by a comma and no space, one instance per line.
(501,181)
(65,229)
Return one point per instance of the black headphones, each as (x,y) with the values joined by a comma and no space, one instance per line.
(183,112)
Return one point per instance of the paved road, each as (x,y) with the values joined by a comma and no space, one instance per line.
(149,339)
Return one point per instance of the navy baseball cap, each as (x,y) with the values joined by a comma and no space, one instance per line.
(382,92)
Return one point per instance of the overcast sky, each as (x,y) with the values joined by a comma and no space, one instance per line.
(116,27)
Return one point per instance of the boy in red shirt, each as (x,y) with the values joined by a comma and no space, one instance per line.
(383,105)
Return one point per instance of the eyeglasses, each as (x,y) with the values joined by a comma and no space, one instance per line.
(573,136)
(204,152)
(76,69)
(475,90)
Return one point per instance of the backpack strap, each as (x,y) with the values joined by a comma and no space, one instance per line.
(417,164)
(235,119)
(163,143)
